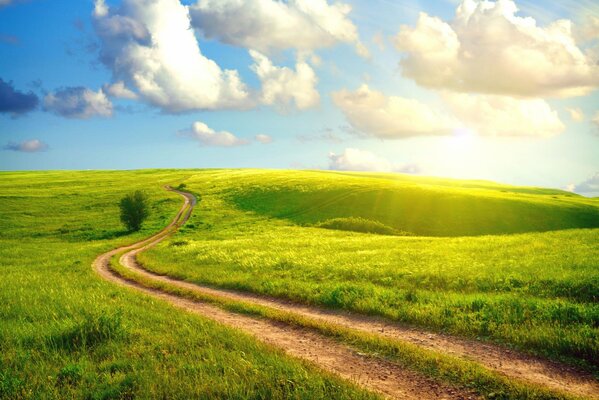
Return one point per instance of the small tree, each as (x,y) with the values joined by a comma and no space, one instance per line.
(134,210)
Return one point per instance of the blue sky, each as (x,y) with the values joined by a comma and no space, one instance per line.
(380,85)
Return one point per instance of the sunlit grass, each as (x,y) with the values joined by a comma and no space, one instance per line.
(534,291)
(65,333)
(440,367)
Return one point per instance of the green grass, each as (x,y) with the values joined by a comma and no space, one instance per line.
(357,224)
(445,368)
(66,333)
(535,291)
(429,207)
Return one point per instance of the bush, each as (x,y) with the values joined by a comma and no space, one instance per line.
(134,210)
(361,225)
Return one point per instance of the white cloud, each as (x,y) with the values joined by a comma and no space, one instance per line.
(590,187)
(27,146)
(595,120)
(267,25)
(570,187)
(362,50)
(589,30)
(362,160)
(118,89)
(100,8)
(282,86)
(576,114)
(149,46)
(209,137)
(78,103)
(487,48)
(264,139)
(393,117)
(504,116)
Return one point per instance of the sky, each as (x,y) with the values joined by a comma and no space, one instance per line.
(496,90)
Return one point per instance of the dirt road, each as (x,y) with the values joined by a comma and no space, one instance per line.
(373,373)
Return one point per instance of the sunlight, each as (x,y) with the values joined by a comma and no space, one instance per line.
(456,155)
(462,141)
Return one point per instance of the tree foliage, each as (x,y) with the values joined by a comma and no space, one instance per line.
(134,210)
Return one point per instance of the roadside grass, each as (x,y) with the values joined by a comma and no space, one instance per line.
(66,333)
(444,368)
(536,292)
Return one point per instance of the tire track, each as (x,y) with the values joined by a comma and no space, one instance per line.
(373,373)
(512,364)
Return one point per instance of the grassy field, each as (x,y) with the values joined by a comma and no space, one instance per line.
(527,286)
(65,333)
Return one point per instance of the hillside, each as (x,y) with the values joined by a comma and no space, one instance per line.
(421,206)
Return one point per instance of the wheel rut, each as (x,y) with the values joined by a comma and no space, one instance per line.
(373,373)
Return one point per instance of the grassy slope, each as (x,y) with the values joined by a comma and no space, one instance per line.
(430,207)
(65,333)
(535,291)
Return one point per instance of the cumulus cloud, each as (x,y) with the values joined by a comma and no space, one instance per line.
(151,48)
(264,139)
(78,103)
(589,30)
(207,136)
(595,121)
(490,115)
(362,160)
(570,187)
(27,146)
(489,49)
(576,114)
(284,87)
(15,102)
(118,89)
(590,187)
(267,25)
(390,117)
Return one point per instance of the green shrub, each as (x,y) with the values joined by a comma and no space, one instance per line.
(134,210)
(357,224)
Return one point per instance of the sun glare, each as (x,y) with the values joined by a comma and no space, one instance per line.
(462,141)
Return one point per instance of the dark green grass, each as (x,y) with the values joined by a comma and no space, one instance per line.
(429,207)
(65,333)
(357,224)
(535,291)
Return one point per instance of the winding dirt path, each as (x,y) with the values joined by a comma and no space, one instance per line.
(370,372)
(373,373)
